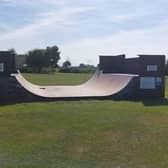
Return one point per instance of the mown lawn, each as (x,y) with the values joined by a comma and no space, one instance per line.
(83,134)
(58,78)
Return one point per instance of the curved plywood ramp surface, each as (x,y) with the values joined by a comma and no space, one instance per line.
(100,85)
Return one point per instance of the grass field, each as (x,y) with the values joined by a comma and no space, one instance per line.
(83,134)
(58,78)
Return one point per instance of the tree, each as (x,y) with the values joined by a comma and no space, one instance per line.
(82,65)
(66,64)
(53,55)
(36,59)
(39,58)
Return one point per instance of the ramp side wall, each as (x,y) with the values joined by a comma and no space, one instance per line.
(146,66)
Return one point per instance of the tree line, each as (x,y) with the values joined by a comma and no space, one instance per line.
(40,58)
(46,60)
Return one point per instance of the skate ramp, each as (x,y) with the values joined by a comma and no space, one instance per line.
(100,85)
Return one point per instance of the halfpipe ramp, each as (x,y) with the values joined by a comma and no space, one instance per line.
(100,85)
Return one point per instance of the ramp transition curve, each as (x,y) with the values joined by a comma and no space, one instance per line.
(100,85)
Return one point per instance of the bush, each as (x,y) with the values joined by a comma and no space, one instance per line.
(26,69)
(48,70)
(77,70)
(65,70)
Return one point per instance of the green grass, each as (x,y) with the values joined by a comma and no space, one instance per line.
(83,134)
(58,78)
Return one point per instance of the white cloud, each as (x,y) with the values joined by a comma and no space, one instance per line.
(123,17)
(60,20)
(54,2)
(149,41)
(4,27)
(132,42)
(15,2)
(32,3)
(64,17)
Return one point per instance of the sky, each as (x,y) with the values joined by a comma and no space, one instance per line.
(85,29)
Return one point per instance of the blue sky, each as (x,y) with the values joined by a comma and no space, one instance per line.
(84,29)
